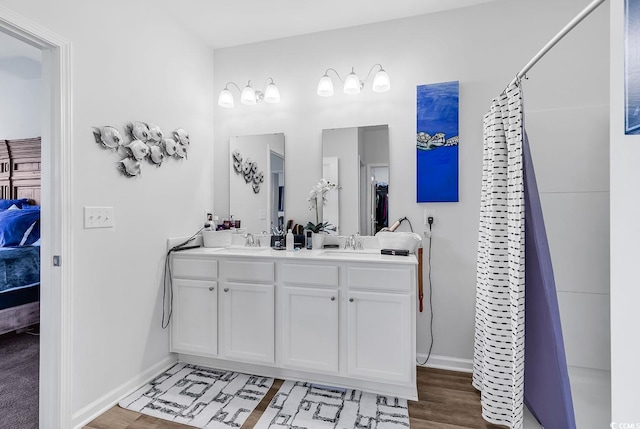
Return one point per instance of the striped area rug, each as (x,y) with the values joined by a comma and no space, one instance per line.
(299,405)
(199,396)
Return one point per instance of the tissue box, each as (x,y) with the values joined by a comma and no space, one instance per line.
(216,238)
(399,240)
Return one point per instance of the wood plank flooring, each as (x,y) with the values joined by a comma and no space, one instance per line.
(447,400)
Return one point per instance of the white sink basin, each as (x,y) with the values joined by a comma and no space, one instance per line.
(352,252)
(242,249)
(347,254)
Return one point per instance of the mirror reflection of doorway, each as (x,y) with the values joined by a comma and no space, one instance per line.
(379,194)
(277,190)
(349,158)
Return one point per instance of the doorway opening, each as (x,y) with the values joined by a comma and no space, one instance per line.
(55,222)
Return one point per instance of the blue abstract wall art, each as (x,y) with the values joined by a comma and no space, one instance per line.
(437,142)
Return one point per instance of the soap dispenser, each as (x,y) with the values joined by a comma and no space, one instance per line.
(289,240)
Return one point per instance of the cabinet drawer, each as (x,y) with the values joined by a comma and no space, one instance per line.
(400,279)
(305,274)
(195,268)
(255,271)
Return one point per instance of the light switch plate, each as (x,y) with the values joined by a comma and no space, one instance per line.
(98,217)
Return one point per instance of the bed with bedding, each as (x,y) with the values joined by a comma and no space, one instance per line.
(19,234)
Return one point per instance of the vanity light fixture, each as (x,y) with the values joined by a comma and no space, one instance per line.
(248,95)
(352,84)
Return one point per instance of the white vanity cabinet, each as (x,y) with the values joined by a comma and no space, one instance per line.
(378,336)
(334,319)
(379,333)
(247,314)
(194,325)
(310,317)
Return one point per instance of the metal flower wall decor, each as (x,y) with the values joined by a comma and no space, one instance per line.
(248,169)
(143,141)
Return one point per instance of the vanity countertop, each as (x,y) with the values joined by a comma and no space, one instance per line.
(340,255)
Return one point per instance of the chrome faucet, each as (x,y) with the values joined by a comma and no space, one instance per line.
(353,242)
(350,242)
(251,241)
(357,242)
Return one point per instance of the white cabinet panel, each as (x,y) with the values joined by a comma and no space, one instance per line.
(379,336)
(249,271)
(194,328)
(191,268)
(307,274)
(310,328)
(384,279)
(248,322)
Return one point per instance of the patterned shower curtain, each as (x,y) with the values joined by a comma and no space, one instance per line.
(498,361)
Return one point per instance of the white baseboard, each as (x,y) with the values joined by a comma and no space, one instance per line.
(100,405)
(446,362)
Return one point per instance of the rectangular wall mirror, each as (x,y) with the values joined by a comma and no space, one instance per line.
(256,181)
(357,160)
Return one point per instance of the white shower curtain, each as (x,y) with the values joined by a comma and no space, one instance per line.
(498,361)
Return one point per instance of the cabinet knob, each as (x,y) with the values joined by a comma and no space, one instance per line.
(350,299)
(226,289)
(333,298)
(211,288)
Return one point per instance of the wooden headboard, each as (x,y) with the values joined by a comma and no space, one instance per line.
(20,169)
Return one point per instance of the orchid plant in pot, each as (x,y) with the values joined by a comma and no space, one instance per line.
(318,193)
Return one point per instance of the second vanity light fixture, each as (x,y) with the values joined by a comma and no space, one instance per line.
(353,84)
(249,96)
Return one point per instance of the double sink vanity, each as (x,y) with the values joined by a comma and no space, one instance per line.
(333,316)
(337,317)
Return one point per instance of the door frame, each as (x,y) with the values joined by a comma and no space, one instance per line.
(55,287)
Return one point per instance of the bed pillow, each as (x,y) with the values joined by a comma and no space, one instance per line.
(5,204)
(19,227)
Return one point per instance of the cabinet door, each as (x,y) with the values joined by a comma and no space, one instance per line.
(310,329)
(194,324)
(248,322)
(379,336)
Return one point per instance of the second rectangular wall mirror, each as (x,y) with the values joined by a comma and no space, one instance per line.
(356,159)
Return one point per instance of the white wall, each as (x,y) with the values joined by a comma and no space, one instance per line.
(482,47)
(566,116)
(625,236)
(129,63)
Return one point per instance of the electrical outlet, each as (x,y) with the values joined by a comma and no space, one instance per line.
(98,217)
(429,213)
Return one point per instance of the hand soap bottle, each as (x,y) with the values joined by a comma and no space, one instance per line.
(289,240)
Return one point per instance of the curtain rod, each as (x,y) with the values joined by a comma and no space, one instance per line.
(575,21)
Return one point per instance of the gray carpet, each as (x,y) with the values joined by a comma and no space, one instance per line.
(19,359)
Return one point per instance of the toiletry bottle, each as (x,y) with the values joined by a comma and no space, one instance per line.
(290,240)
(309,239)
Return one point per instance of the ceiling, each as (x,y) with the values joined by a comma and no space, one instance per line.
(224,23)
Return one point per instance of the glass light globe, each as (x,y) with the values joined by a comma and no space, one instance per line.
(272,93)
(225,99)
(381,81)
(352,84)
(325,86)
(248,95)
